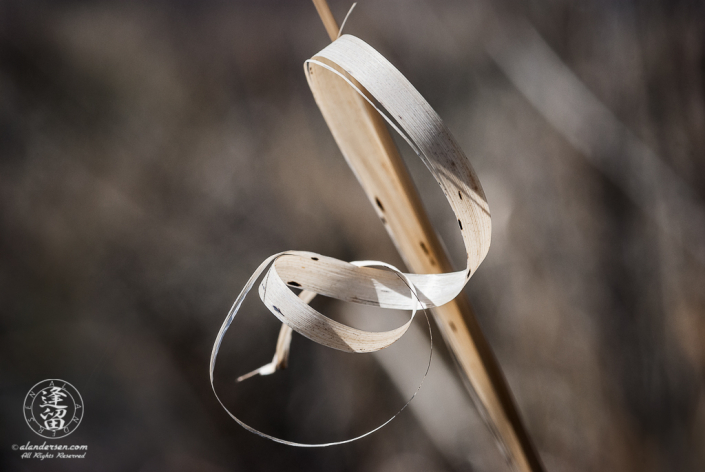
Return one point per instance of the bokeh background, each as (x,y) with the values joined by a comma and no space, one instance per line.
(152,154)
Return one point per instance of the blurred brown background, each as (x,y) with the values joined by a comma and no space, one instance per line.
(152,155)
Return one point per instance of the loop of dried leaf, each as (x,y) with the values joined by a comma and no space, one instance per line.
(350,62)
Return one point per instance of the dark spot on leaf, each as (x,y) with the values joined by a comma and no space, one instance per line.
(460,195)
(277,309)
(452,326)
(460,223)
(423,246)
(314,258)
(379,204)
(295,284)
